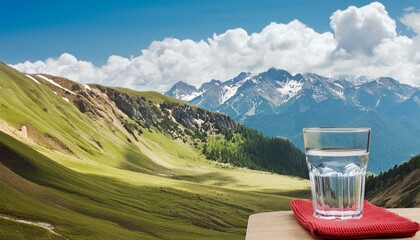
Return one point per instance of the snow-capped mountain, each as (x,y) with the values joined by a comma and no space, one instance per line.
(183,91)
(278,103)
(277,91)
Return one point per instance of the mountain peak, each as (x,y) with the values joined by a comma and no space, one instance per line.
(276,74)
(242,75)
(215,81)
(313,76)
(209,85)
(182,84)
(387,81)
(183,91)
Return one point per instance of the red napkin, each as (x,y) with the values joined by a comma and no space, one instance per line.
(376,222)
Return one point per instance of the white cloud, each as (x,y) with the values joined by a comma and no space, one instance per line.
(409,9)
(412,20)
(364,42)
(362,29)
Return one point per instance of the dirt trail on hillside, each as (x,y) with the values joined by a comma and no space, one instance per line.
(46,226)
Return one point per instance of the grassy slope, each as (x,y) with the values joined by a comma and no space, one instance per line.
(23,102)
(398,187)
(150,95)
(121,192)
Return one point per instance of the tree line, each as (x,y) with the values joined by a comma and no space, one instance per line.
(249,148)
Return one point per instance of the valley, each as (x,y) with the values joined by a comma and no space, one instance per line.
(87,169)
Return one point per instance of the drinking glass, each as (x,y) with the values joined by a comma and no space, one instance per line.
(337,160)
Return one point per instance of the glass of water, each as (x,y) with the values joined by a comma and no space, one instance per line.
(337,160)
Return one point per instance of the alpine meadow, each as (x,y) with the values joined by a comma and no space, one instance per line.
(83,162)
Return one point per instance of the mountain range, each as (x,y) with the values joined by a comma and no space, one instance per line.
(280,104)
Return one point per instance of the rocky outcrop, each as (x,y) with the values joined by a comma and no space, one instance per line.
(123,102)
(147,112)
(176,119)
(85,106)
(139,109)
(184,115)
(190,117)
(221,121)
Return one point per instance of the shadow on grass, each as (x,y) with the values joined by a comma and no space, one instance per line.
(217,179)
(306,193)
(14,161)
(134,160)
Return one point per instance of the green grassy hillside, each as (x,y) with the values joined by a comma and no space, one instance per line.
(397,187)
(78,164)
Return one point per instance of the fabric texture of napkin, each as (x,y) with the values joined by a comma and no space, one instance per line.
(376,222)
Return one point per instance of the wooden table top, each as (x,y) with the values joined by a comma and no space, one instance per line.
(283,225)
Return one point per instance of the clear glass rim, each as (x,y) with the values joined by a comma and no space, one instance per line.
(337,129)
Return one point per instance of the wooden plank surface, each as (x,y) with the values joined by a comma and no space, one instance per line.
(283,225)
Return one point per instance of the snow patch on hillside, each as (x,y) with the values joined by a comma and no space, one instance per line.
(338,85)
(339,94)
(32,78)
(251,111)
(289,88)
(230,91)
(402,97)
(55,84)
(187,97)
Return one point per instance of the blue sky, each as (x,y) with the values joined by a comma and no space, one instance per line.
(150,45)
(94,30)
